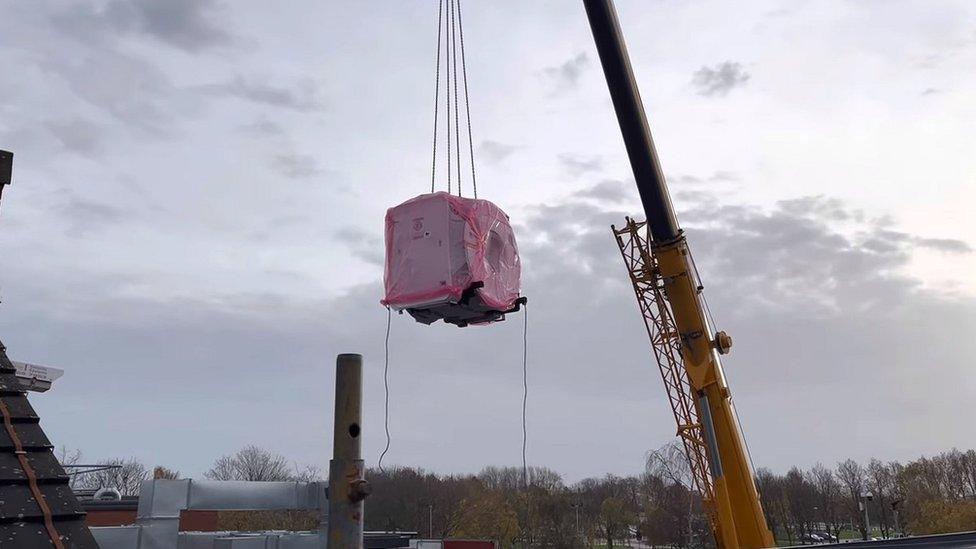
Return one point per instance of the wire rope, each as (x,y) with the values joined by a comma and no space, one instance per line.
(525,391)
(467,103)
(457,123)
(437,90)
(386,387)
(447,91)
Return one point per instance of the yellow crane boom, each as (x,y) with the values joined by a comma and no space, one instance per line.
(669,293)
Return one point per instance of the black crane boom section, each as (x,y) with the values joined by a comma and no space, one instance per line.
(633,122)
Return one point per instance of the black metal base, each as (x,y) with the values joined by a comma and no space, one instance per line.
(470,309)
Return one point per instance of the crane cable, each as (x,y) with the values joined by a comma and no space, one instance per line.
(450,33)
(525,391)
(467,104)
(437,89)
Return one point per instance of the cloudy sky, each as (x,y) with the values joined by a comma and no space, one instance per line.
(194,228)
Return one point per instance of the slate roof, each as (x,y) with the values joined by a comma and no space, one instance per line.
(22,521)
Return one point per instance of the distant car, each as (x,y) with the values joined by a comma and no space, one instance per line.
(811,537)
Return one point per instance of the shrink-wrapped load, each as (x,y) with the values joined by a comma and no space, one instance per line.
(451,258)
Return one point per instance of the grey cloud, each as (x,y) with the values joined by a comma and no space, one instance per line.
(697,197)
(127,88)
(931,91)
(302,98)
(720,79)
(819,206)
(566,76)
(77,135)
(263,127)
(363,245)
(577,165)
(109,70)
(495,152)
(296,166)
(185,24)
(949,245)
(84,216)
(719,176)
(723,175)
(609,190)
(805,262)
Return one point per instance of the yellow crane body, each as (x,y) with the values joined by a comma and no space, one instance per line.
(668,291)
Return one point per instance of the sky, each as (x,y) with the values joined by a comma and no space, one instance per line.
(194,229)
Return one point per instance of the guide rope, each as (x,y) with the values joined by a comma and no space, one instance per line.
(450,27)
(386,388)
(525,390)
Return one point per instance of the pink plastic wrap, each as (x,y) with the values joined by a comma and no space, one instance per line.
(442,249)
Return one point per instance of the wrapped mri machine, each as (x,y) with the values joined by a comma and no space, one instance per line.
(451,258)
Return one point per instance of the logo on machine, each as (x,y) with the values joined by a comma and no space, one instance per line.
(418,229)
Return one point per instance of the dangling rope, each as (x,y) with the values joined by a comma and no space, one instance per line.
(525,390)
(386,388)
(450,27)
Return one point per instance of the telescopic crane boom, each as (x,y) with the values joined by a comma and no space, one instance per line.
(670,297)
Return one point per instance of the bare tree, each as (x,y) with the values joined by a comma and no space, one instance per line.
(125,475)
(160,472)
(250,463)
(67,457)
(852,477)
(307,473)
(881,482)
(254,463)
(670,463)
(828,492)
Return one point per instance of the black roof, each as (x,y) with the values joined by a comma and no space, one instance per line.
(22,521)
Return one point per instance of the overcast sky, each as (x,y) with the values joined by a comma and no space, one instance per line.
(194,228)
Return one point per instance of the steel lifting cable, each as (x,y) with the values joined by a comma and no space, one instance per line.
(437,89)
(450,30)
(457,124)
(447,92)
(467,105)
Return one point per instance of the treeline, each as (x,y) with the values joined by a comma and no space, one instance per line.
(924,496)
(126,475)
(496,504)
(658,507)
(537,508)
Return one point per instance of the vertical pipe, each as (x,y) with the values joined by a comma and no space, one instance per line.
(347,487)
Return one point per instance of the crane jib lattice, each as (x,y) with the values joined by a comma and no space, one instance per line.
(666,344)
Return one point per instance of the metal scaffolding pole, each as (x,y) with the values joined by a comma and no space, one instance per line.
(347,487)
